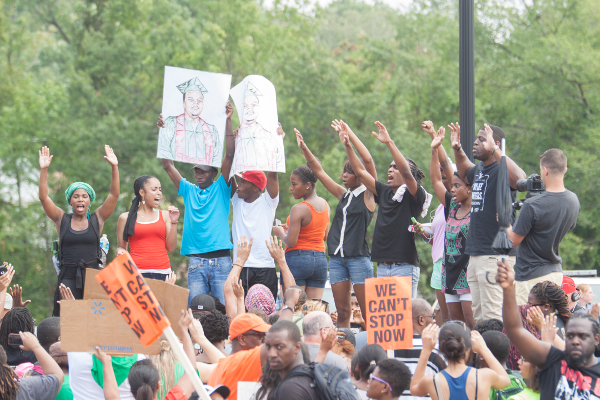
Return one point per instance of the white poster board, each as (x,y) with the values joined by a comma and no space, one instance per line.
(258,147)
(194,112)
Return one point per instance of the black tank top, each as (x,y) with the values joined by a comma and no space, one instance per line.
(349,226)
(79,245)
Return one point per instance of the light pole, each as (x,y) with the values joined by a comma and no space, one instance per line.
(466,27)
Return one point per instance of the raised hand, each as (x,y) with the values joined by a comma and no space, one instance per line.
(102,356)
(455,135)
(430,337)
(328,339)
(299,139)
(30,342)
(383,136)
(489,143)
(276,249)
(110,155)
(535,316)
(171,278)
(65,292)
(337,125)
(173,214)
(280,131)
(196,330)
(244,248)
(6,278)
(280,230)
(505,275)
(428,128)
(45,157)
(185,320)
(161,122)
(238,289)
(548,329)
(595,311)
(228,110)
(236,131)
(478,344)
(16,292)
(438,138)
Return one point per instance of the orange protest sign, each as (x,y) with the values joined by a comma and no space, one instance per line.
(128,290)
(389,312)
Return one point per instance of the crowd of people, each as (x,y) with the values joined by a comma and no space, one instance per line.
(506,328)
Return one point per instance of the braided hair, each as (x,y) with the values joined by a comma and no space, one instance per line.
(8,379)
(416,172)
(135,204)
(550,293)
(305,174)
(17,320)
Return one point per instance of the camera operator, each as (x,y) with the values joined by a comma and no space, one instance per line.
(542,224)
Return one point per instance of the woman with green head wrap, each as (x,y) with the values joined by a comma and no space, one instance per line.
(79,231)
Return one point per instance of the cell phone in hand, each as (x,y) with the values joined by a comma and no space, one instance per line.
(3,270)
(277,222)
(14,340)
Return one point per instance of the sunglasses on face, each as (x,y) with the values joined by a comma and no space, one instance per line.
(373,377)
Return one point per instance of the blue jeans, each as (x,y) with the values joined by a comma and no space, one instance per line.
(401,269)
(308,267)
(354,269)
(208,276)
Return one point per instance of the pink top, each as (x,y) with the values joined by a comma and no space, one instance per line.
(439,233)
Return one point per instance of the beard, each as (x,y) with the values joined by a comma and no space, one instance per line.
(577,362)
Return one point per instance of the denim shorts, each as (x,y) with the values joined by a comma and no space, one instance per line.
(401,269)
(308,267)
(355,269)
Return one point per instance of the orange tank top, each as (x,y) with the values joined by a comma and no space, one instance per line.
(148,246)
(312,236)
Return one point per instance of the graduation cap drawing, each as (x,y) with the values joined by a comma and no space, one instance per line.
(192,84)
(251,89)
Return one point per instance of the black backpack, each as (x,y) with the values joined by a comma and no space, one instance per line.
(331,382)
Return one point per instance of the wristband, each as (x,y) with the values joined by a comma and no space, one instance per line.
(494,149)
(238,265)
(286,308)
(459,147)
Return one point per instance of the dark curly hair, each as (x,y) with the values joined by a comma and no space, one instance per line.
(396,374)
(305,174)
(455,339)
(8,379)
(492,324)
(218,305)
(550,293)
(215,325)
(17,320)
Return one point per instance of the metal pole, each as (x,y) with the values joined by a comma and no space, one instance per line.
(466,26)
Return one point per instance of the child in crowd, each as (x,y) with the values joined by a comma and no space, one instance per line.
(499,345)
(389,379)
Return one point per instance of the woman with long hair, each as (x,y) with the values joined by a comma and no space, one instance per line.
(150,232)
(363,364)
(79,231)
(457,202)
(550,299)
(349,254)
(458,381)
(305,233)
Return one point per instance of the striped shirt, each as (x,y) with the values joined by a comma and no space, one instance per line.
(410,357)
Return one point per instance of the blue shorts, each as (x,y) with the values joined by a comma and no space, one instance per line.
(308,267)
(355,269)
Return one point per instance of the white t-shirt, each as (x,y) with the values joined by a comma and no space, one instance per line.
(84,386)
(255,220)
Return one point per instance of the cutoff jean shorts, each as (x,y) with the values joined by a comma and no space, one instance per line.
(401,269)
(354,269)
(309,267)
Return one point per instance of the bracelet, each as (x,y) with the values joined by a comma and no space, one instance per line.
(494,149)
(459,147)
(229,135)
(238,265)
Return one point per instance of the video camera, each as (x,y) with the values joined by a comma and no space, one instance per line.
(533,185)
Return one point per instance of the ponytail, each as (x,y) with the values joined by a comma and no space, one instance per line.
(135,204)
(143,379)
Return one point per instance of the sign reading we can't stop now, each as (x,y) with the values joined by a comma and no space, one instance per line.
(389,312)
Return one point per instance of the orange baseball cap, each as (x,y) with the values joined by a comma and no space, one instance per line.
(247,322)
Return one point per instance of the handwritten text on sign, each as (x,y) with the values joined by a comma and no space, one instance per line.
(133,298)
(389,312)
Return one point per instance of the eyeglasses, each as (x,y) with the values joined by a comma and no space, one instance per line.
(372,377)
(260,335)
(535,305)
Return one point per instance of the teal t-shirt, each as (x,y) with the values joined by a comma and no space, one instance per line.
(65,391)
(206,217)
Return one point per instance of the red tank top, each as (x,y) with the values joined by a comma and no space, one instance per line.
(148,246)
(312,236)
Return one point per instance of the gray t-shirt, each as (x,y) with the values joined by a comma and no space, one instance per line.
(544,221)
(330,358)
(42,387)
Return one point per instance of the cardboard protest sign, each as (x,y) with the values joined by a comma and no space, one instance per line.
(130,293)
(172,298)
(85,324)
(258,147)
(194,111)
(389,312)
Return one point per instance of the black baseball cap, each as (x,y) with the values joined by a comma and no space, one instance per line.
(202,302)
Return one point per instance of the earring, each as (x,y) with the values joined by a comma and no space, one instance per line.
(307,188)
(468,191)
(143,201)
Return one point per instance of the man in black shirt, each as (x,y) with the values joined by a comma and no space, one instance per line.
(401,199)
(570,374)
(542,224)
(484,226)
(284,354)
